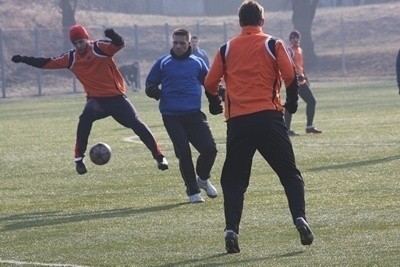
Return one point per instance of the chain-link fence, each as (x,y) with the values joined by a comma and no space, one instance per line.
(336,42)
(144,44)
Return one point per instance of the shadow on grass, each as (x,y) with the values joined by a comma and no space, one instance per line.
(355,164)
(37,219)
(229,259)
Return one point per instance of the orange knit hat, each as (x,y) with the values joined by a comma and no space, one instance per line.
(77,32)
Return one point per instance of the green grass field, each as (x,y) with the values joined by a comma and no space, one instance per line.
(128,213)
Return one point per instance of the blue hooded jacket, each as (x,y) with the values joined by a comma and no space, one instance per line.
(181,82)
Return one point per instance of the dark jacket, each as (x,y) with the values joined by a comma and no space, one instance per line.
(398,70)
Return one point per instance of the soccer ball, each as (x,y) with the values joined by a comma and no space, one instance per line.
(100,153)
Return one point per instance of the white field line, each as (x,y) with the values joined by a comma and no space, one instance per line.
(40,263)
(133,139)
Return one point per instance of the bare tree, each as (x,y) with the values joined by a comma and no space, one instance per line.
(302,18)
(67,9)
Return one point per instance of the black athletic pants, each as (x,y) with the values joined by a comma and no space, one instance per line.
(306,94)
(264,132)
(187,129)
(123,111)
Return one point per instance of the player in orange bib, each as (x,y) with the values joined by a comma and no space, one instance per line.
(253,64)
(296,52)
(93,64)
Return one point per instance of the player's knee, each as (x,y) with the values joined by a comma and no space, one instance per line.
(88,115)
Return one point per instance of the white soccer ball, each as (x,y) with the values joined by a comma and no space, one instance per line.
(100,153)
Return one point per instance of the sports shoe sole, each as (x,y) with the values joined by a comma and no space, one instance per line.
(162,163)
(196,199)
(313,131)
(162,167)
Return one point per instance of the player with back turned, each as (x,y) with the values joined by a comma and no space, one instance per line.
(253,64)
(93,64)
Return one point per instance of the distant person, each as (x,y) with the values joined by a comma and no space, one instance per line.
(181,76)
(137,82)
(253,64)
(93,64)
(197,51)
(304,90)
(398,70)
(131,75)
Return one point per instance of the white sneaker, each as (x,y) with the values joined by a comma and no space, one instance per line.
(208,187)
(196,198)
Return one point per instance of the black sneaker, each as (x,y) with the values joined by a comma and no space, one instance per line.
(292,133)
(313,130)
(231,242)
(306,235)
(80,167)
(162,163)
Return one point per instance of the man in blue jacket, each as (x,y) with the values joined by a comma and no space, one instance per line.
(181,76)
(197,51)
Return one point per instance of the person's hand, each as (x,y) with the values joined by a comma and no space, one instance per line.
(215,109)
(110,33)
(153,91)
(17,58)
(292,96)
(291,107)
(115,38)
(214,106)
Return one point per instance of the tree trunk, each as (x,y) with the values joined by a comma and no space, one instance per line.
(67,10)
(302,18)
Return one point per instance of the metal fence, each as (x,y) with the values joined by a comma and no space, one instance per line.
(336,42)
(144,44)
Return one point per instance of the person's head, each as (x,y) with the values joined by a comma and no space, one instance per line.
(194,42)
(294,37)
(79,37)
(251,13)
(180,41)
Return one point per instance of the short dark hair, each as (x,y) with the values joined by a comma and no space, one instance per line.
(294,34)
(250,13)
(182,32)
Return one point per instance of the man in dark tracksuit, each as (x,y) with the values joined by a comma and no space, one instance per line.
(181,76)
(398,70)
(93,64)
(252,65)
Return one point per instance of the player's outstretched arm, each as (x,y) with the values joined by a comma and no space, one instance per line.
(37,62)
